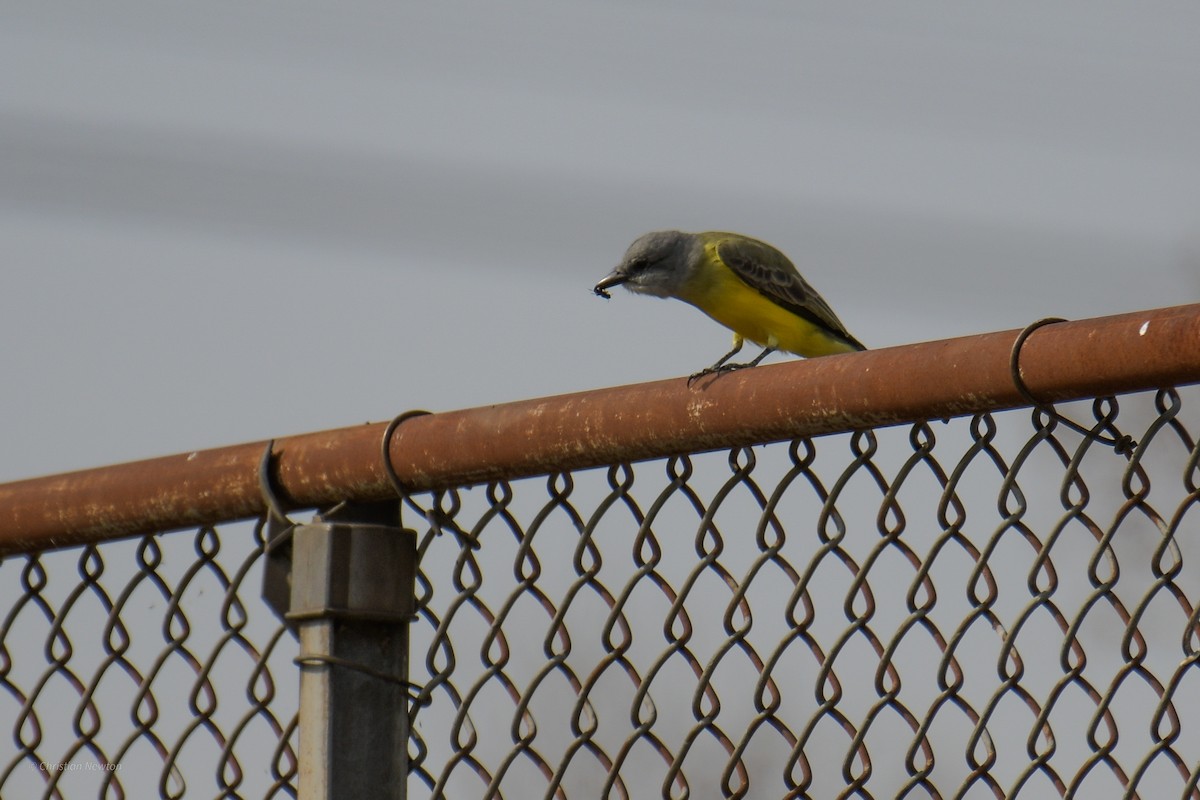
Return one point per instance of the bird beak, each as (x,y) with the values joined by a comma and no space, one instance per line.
(614,278)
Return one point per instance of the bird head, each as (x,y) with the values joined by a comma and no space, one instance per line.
(656,264)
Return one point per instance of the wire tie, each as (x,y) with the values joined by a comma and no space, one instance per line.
(1122,444)
(267,488)
(434,517)
(319,660)
(388,466)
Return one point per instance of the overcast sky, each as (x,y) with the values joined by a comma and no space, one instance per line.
(232,221)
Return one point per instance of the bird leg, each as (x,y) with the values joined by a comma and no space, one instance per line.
(721,366)
(757,359)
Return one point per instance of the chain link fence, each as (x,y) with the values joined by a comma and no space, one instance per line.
(988,606)
(146,668)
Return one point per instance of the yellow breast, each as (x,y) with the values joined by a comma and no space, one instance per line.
(719,292)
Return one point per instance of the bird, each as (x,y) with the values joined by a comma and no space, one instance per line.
(745,284)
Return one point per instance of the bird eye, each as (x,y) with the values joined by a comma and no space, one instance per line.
(638,264)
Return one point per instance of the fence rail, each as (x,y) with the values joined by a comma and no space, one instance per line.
(933,380)
(918,587)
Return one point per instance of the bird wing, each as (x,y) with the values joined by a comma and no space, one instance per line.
(770,272)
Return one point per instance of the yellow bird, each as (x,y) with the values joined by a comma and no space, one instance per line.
(746,285)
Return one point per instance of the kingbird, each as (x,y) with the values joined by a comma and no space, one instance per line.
(746,285)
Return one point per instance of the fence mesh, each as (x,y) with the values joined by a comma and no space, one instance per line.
(146,668)
(991,606)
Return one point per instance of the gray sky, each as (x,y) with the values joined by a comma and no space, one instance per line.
(238,221)
(232,221)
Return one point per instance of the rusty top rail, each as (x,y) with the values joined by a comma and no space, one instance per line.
(1065,361)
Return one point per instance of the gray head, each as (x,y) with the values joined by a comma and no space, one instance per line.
(657,264)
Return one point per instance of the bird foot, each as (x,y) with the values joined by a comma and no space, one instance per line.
(716,370)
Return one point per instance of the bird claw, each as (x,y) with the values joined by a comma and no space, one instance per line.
(695,376)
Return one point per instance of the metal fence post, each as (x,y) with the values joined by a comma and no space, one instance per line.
(352,590)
